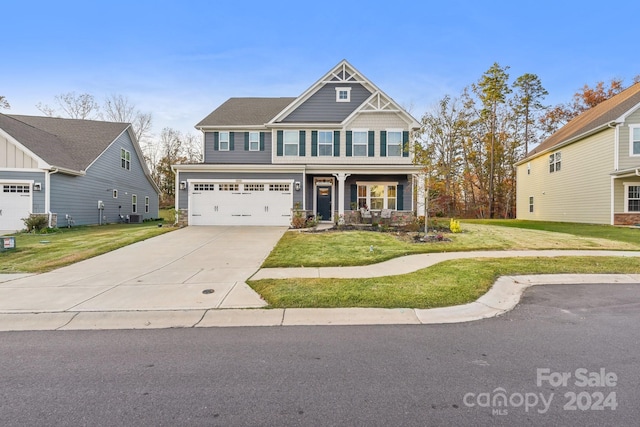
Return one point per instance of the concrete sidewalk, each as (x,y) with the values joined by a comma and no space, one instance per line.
(170,287)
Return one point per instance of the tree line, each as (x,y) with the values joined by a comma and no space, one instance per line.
(469,144)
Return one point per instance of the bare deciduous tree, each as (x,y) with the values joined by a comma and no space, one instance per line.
(82,106)
(4,104)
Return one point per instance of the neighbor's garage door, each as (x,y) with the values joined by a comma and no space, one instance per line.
(15,204)
(240,203)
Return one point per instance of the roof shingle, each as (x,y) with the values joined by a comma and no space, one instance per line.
(245,112)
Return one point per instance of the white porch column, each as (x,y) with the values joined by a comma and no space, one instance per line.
(420,194)
(341,179)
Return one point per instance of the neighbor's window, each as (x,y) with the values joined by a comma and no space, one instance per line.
(125,159)
(134,203)
(633,198)
(635,141)
(291,141)
(531,204)
(343,94)
(377,196)
(360,143)
(394,143)
(254,141)
(146,204)
(555,161)
(325,143)
(223,141)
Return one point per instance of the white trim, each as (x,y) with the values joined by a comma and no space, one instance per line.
(631,129)
(626,195)
(331,133)
(28,170)
(612,204)
(340,89)
(254,133)
(385,198)
(366,144)
(16,181)
(228,141)
(632,110)
(394,130)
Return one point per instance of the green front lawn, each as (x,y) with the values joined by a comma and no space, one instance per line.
(37,253)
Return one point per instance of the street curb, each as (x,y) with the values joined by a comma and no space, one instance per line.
(503,296)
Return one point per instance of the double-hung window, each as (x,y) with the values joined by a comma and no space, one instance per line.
(633,197)
(254,141)
(394,143)
(555,162)
(635,140)
(360,142)
(134,203)
(146,204)
(377,196)
(223,141)
(125,159)
(325,143)
(291,140)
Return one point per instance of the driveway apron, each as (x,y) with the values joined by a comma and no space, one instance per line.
(190,268)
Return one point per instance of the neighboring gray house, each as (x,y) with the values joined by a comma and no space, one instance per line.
(589,170)
(76,172)
(341,146)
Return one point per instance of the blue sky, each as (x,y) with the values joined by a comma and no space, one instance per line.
(179,60)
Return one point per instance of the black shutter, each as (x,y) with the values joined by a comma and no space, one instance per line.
(349,143)
(261,141)
(314,143)
(280,144)
(302,143)
(383,143)
(231,141)
(336,143)
(400,197)
(405,144)
(354,194)
(216,139)
(246,141)
(372,146)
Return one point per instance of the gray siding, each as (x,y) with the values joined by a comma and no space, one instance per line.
(239,155)
(185,176)
(78,196)
(37,197)
(322,105)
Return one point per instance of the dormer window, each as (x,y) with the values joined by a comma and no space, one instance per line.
(343,94)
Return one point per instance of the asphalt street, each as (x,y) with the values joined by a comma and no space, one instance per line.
(567,355)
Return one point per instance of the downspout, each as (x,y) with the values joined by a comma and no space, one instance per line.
(47,193)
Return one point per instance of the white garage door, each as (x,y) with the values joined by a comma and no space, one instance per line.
(15,204)
(240,203)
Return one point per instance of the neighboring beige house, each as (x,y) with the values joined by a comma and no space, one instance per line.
(589,170)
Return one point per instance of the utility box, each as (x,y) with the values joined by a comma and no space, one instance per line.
(135,218)
(8,243)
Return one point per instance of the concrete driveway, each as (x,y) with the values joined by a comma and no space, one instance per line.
(190,268)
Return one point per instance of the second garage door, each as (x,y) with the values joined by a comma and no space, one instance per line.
(15,204)
(240,203)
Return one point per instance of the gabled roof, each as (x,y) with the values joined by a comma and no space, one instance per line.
(66,143)
(612,110)
(245,112)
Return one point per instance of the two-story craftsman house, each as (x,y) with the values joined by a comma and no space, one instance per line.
(340,146)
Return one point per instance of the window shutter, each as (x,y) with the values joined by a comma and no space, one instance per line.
(216,138)
(231,141)
(405,143)
(372,147)
(383,143)
(280,144)
(302,143)
(400,197)
(349,143)
(261,141)
(336,143)
(354,193)
(246,141)
(314,143)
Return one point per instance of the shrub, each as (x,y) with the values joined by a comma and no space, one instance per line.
(35,222)
(454,226)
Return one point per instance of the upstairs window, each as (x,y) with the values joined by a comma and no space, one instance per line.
(125,159)
(635,141)
(325,143)
(254,141)
(555,162)
(291,140)
(360,143)
(343,94)
(223,141)
(394,143)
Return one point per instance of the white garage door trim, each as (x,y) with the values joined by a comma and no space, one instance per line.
(16,200)
(240,201)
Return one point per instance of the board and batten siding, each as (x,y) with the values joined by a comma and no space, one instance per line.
(37,197)
(579,192)
(626,161)
(13,157)
(239,155)
(78,196)
(322,105)
(183,195)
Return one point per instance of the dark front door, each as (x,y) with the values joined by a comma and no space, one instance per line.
(324,203)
